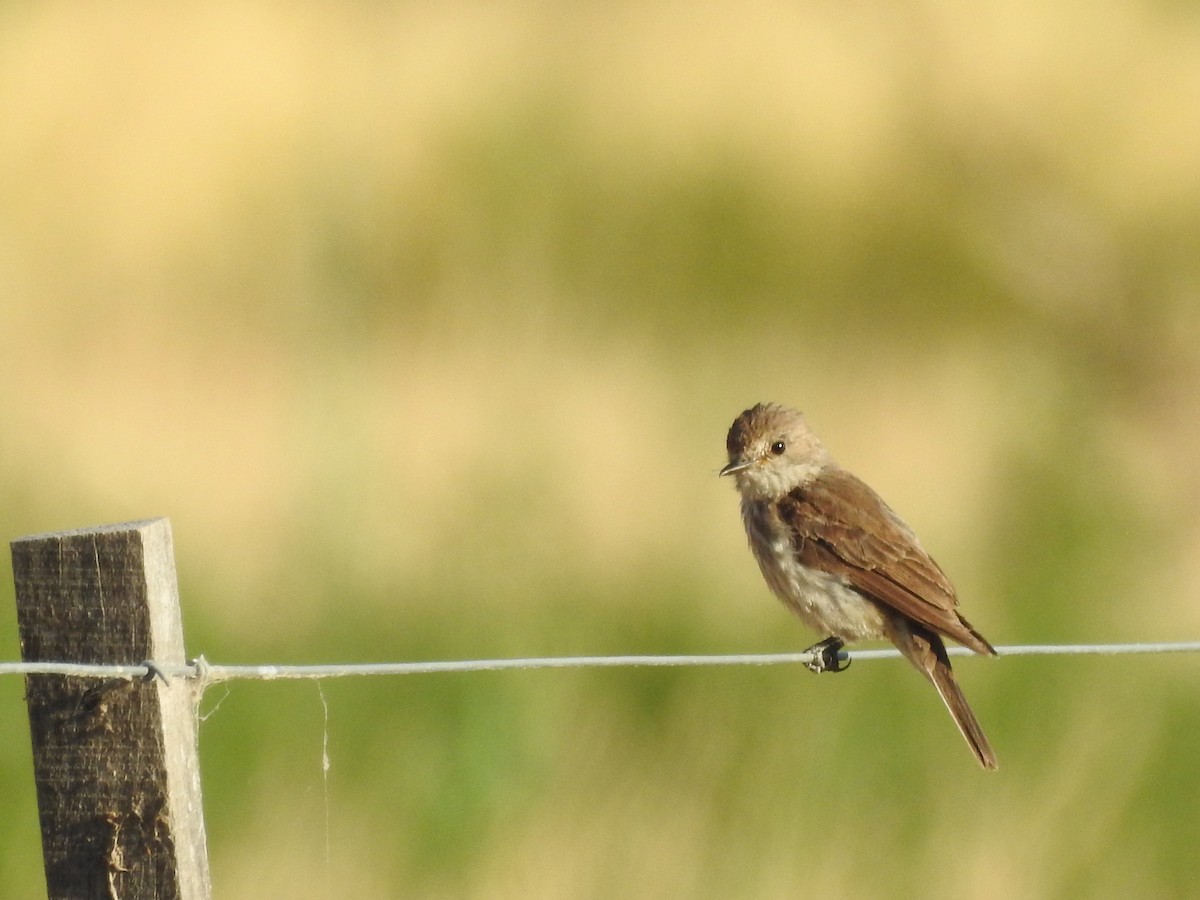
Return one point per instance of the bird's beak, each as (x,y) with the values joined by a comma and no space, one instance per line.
(734,467)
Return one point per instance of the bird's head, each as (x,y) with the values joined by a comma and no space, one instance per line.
(773,451)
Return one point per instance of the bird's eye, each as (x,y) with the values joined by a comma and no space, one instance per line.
(778,447)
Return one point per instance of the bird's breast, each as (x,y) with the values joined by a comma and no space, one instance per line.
(824,601)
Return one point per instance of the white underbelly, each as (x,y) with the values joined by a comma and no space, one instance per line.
(826,603)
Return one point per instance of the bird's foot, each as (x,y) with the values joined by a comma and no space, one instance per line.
(827,656)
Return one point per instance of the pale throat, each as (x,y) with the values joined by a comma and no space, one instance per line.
(768,482)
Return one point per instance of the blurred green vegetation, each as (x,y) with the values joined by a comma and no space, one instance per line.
(424,325)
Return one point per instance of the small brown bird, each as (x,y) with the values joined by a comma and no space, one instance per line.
(836,554)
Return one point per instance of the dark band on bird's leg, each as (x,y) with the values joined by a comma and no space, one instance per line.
(827,656)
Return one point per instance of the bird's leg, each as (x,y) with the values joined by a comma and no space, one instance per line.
(826,656)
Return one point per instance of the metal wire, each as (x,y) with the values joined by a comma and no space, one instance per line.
(212,673)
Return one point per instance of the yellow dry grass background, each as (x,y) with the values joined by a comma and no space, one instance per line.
(424,324)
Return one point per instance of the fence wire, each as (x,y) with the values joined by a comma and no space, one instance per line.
(208,673)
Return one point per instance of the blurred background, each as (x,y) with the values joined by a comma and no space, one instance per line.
(424,324)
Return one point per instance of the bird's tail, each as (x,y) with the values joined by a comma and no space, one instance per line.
(926,651)
(943,679)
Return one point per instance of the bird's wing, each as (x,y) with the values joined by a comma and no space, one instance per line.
(841,526)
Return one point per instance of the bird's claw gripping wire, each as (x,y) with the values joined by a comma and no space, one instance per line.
(827,656)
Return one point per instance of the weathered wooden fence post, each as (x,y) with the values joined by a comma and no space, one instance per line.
(118,779)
